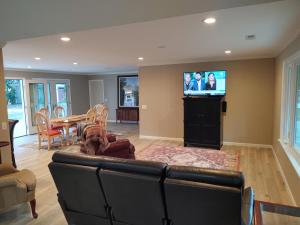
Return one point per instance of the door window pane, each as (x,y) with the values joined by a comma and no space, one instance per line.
(37,98)
(297,111)
(15,105)
(61,96)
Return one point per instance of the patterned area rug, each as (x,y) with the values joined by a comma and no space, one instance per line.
(186,156)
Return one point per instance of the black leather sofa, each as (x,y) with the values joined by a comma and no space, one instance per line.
(99,190)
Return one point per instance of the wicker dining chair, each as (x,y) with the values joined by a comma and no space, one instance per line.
(98,109)
(46,113)
(45,131)
(59,112)
(103,118)
(91,115)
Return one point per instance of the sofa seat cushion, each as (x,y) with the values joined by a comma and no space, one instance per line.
(25,177)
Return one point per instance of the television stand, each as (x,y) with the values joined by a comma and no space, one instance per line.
(203,121)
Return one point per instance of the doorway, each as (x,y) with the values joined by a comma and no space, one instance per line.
(59,95)
(14,91)
(96,91)
(42,93)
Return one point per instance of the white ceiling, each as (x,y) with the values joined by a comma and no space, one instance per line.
(186,39)
(21,19)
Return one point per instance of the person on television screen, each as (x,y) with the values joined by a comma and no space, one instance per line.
(187,82)
(211,83)
(198,83)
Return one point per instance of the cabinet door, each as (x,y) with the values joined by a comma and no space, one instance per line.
(210,135)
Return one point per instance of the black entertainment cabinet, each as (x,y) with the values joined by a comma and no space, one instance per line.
(203,121)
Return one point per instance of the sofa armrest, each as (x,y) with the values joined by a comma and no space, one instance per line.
(6,168)
(120,145)
(247,206)
(23,179)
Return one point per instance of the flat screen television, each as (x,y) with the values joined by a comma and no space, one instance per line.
(204,83)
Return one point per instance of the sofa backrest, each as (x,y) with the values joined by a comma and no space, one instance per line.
(124,192)
(79,190)
(212,195)
(134,191)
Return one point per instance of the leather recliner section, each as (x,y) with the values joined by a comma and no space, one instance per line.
(203,196)
(134,192)
(111,191)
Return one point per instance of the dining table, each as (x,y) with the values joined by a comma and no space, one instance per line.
(67,123)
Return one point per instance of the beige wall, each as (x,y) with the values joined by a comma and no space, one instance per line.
(249,117)
(290,173)
(4,135)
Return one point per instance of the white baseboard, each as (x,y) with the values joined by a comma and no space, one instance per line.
(247,145)
(160,138)
(111,121)
(284,177)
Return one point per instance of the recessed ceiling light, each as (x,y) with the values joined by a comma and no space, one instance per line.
(210,20)
(227,52)
(140,58)
(37,58)
(65,39)
(75,63)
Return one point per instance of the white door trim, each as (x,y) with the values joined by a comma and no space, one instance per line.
(24,97)
(31,129)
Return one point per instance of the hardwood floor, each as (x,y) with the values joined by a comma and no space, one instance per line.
(258,165)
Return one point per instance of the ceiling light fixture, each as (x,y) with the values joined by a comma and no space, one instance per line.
(210,20)
(75,63)
(65,39)
(227,52)
(140,59)
(37,58)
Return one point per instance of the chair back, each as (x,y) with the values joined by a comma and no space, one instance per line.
(45,112)
(91,115)
(98,110)
(42,122)
(59,112)
(103,118)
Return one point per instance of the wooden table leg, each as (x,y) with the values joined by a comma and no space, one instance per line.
(67,134)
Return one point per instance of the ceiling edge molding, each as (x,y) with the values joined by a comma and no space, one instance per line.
(288,42)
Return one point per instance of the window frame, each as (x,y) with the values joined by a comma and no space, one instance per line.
(288,109)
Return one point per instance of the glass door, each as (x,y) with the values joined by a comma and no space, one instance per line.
(37,98)
(16,105)
(59,95)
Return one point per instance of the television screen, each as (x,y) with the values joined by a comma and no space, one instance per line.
(204,83)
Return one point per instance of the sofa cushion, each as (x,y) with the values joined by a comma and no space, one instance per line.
(25,177)
(205,175)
